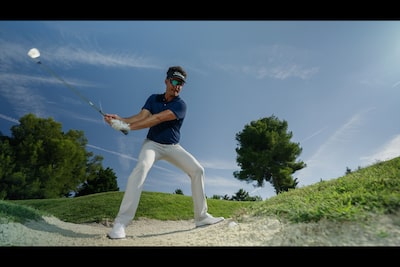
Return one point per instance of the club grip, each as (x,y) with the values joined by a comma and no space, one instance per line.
(120,126)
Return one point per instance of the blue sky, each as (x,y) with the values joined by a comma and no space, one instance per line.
(336,83)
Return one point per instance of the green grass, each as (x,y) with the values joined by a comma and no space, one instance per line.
(12,212)
(357,196)
(104,207)
(373,190)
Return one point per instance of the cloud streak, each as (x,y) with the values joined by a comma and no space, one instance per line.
(342,135)
(218,164)
(72,56)
(5,117)
(125,156)
(330,156)
(277,62)
(314,134)
(388,151)
(64,55)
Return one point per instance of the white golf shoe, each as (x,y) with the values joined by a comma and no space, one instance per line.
(117,232)
(209,220)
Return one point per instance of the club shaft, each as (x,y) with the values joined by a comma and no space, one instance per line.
(51,72)
(71,88)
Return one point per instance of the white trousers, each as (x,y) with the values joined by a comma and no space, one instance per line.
(175,154)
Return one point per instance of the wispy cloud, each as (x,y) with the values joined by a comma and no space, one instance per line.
(17,53)
(342,135)
(388,151)
(12,53)
(314,134)
(396,84)
(331,155)
(113,152)
(5,117)
(125,156)
(290,70)
(67,55)
(18,88)
(218,164)
(24,100)
(25,97)
(277,62)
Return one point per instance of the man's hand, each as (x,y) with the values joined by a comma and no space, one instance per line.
(120,125)
(109,117)
(116,122)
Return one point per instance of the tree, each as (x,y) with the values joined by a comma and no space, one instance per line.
(104,180)
(7,164)
(240,195)
(243,195)
(266,154)
(223,197)
(178,191)
(39,160)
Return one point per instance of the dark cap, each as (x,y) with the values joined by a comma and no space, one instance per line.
(176,72)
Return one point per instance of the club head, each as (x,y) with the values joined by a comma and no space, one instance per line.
(34,53)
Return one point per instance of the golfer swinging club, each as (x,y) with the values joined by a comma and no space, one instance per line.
(163,114)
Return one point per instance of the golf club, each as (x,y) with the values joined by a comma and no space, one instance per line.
(35,54)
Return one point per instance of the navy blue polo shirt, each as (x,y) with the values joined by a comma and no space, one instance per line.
(167,132)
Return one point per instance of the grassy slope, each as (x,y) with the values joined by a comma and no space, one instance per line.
(371,190)
(104,206)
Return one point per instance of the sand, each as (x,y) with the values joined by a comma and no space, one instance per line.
(249,232)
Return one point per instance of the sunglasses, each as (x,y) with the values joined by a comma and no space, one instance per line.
(176,82)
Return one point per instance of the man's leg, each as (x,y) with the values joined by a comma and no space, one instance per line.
(189,164)
(134,187)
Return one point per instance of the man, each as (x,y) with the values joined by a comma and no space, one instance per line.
(163,114)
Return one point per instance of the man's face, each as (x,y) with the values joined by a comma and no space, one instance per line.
(174,86)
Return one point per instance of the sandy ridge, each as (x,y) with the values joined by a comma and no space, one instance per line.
(383,231)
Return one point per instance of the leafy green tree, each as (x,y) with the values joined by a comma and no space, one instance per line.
(266,154)
(240,195)
(7,164)
(179,191)
(104,180)
(41,161)
(226,197)
(255,198)
(223,197)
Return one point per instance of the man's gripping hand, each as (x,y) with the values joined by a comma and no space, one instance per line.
(120,126)
(116,122)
